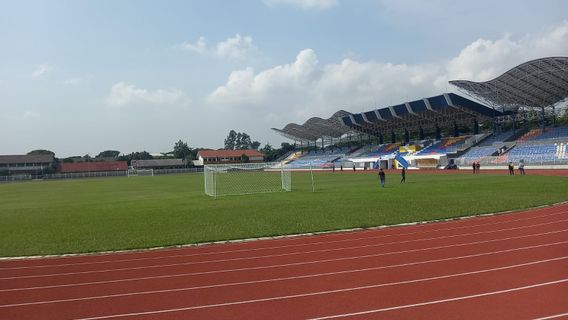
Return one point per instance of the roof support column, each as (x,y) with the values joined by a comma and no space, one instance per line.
(543,119)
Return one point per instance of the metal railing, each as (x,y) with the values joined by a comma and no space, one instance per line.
(93,174)
(504,161)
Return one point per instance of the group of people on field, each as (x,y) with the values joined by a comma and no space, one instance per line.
(511,167)
(382,176)
(476,166)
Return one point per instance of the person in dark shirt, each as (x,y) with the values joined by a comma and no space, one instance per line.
(511,169)
(477,166)
(473,166)
(403,175)
(382,177)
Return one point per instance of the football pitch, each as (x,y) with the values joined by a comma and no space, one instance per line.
(101,214)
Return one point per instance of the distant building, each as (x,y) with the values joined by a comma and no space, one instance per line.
(26,164)
(97,166)
(159,164)
(227,156)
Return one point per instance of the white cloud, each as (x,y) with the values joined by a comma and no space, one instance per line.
(42,70)
(304,88)
(290,80)
(304,4)
(125,94)
(484,59)
(200,46)
(237,47)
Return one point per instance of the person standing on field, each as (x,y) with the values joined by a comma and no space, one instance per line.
(403,175)
(511,169)
(477,166)
(382,177)
(473,166)
(522,168)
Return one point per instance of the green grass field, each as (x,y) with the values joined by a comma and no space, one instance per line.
(86,215)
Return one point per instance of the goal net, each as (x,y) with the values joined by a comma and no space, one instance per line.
(140,172)
(246,178)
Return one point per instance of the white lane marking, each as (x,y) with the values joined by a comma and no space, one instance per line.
(441,301)
(556,316)
(275,265)
(284,278)
(272,255)
(319,293)
(277,247)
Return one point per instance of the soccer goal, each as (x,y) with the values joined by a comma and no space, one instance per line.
(140,172)
(246,178)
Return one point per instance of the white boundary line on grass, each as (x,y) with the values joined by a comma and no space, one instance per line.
(275,255)
(331,232)
(277,247)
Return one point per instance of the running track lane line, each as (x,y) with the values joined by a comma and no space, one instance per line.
(434,302)
(282,265)
(345,290)
(556,316)
(291,278)
(276,255)
(279,247)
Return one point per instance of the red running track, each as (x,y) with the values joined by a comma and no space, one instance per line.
(509,266)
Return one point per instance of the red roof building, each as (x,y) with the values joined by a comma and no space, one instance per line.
(227,156)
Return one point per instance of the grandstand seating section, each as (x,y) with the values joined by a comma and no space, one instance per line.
(538,146)
(549,133)
(533,147)
(536,153)
(446,145)
(477,153)
(382,150)
(318,158)
(533,153)
(497,138)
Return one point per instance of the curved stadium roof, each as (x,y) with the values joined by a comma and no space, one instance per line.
(316,128)
(538,83)
(442,110)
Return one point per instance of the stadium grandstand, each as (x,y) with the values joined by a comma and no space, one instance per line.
(512,111)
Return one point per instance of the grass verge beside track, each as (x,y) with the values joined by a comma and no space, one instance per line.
(87,215)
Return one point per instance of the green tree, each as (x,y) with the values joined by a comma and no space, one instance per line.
(143,155)
(182,150)
(239,141)
(231,140)
(41,152)
(108,154)
(245,141)
(255,145)
(244,158)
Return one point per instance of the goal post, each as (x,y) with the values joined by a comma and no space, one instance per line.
(140,172)
(246,178)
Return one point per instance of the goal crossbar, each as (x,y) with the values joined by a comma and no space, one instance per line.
(246,178)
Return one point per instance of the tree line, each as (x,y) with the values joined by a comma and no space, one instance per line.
(181,150)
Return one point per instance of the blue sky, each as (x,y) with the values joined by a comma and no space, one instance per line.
(80,77)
